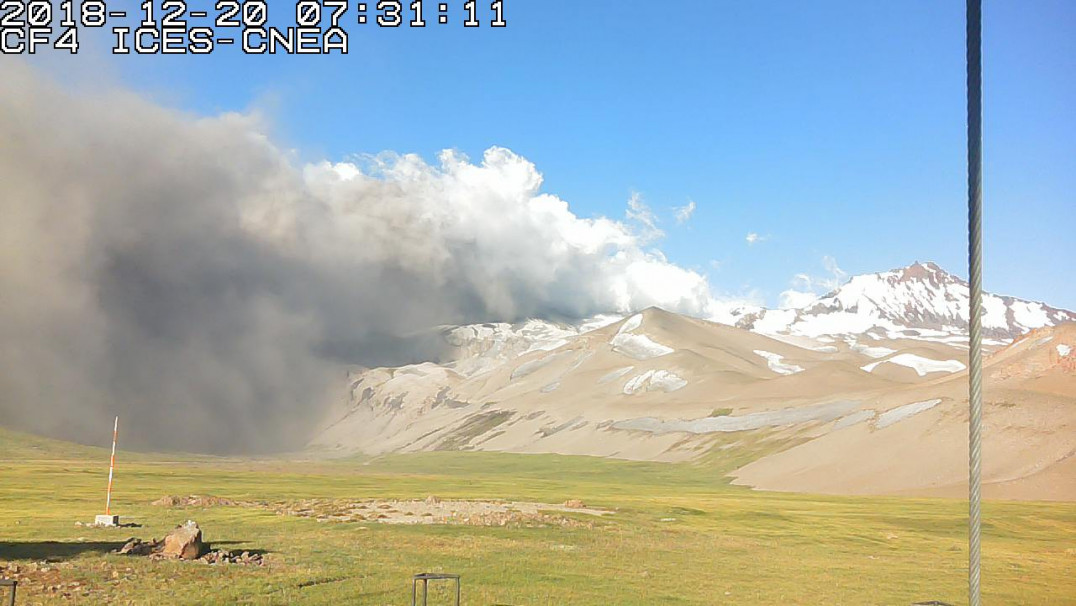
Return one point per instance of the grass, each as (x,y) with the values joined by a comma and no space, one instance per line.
(681,535)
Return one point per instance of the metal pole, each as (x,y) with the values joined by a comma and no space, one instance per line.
(975,271)
(111,466)
(13,584)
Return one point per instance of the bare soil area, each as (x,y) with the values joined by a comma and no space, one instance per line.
(431,510)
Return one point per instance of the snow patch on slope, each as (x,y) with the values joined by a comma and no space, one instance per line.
(854,419)
(1030,315)
(903,412)
(614,375)
(480,348)
(654,380)
(640,347)
(757,420)
(873,352)
(776,365)
(921,365)
(532,366)
(631,324)
(1063,350)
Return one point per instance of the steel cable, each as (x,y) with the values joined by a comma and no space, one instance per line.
(975,271)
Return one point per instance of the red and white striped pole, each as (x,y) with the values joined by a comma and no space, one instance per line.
(112,466)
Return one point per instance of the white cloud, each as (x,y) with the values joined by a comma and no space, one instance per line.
(794,299)
(753,238)
(836,276)
(683,213)
(806,289)
(644,218)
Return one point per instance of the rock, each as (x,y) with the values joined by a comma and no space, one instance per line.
(575,504)
(138,547)
(184,542)
(222,556)
(216,557)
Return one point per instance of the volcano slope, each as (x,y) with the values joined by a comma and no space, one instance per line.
(1029,434)
(875,413)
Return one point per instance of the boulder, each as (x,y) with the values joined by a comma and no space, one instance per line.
(184,542)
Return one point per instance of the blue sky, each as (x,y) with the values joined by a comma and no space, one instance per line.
(827,128)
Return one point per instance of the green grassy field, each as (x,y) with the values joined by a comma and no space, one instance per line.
(681,535)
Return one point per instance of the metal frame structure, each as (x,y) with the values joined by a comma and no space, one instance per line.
(13,584)
(425,579)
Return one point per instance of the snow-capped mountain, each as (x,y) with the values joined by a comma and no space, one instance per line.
(918,301)
(476,348)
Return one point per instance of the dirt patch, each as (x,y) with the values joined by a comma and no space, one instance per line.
(431,510)
(437,511)
(192,501)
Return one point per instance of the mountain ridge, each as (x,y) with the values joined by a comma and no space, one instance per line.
(889,377)
(934,303)
(920,300)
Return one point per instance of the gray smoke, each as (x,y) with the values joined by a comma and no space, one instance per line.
(186,274)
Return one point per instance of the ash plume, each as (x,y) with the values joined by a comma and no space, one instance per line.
(187,274)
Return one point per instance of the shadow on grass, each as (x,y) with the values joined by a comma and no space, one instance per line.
(224,545)
(53,550)
(229,546)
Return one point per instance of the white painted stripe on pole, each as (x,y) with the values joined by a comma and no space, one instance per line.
(112,466)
